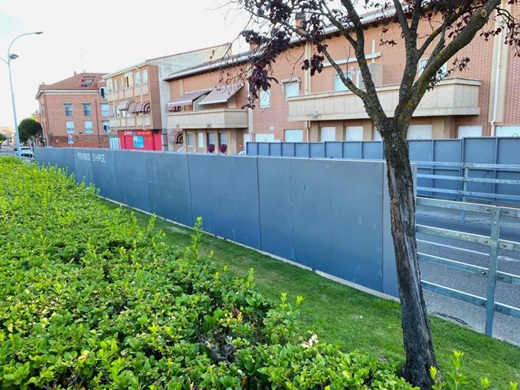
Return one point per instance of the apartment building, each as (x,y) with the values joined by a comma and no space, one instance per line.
(74,112)
(138,95)
(478,101)
(205,113)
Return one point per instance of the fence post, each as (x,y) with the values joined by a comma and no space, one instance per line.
(492,268)
(464,190)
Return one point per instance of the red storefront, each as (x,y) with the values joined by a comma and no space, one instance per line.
(140,139)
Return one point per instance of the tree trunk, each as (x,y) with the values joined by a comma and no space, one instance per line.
(417,338)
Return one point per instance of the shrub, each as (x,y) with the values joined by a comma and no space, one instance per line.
(93,300)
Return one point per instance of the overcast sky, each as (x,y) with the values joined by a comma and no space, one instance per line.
(100,36)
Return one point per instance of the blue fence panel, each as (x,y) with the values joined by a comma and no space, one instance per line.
(104,172)
(288,149)
(333,149)
(353,150)
(302,149)
(263,149)
(421,150)
(480,151)
(275,149)
(252,148)
(83,163)
(63,160)
(317,150)
(169,187)
(310,183)
(276,206)
(224,192)
(508,151)
(373,150)
(356,223)
(131,179)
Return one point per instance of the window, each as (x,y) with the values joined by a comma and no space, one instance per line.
(201,140)
(87,109)
(419,132)
(109,85)
(103,92)
(294,135)
(506,131)
(137,79)
(222,139)
(87,82)
(190,139)
(128,80)
(120,84)
(424,61)
(68,109)
(292,89)
(264,137)
(70,127)
(472,131)
(88,127)
(222,142)
(138,141)
(211,139)
(327,134)
(106,126)
(144,77)
(338,83)
(354,133)
(105,109)
(265,98)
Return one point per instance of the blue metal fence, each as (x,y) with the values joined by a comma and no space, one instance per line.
(325,214)
(495,160)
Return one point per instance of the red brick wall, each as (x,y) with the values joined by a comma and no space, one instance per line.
(54,119)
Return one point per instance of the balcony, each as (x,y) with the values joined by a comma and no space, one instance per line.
(454,96)
(128,93)
(131,122)
(224,118)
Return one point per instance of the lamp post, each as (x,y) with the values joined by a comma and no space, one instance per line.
(10,57)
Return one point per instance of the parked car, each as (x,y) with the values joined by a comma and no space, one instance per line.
(25,151)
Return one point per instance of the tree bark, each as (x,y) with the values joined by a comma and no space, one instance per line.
(415,323)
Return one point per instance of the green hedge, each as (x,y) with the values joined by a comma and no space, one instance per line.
(92,300)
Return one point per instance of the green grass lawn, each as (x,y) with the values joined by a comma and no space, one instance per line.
(353,319)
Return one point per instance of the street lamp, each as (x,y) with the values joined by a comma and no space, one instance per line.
(10,57)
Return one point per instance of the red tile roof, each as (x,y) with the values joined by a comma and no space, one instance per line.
(81,81)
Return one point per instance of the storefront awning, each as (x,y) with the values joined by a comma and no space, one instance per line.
(221,94)
(142,106)
(175,137)
(186,99)
(124,105)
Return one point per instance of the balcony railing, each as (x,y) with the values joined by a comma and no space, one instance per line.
(454,96)
(130,122)
(128,93)
(228,118)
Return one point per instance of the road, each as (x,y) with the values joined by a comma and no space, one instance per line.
(504,327)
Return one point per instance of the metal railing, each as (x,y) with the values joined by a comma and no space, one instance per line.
(493,242)
(466,174)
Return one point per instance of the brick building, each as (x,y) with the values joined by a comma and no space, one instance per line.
(74,112)
(194,101)
(205,113)
(138,96)
(479,101)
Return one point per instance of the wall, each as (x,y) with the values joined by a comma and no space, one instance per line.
(326,214)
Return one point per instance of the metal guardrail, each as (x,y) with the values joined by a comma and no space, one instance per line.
(493,242)
(462,171)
